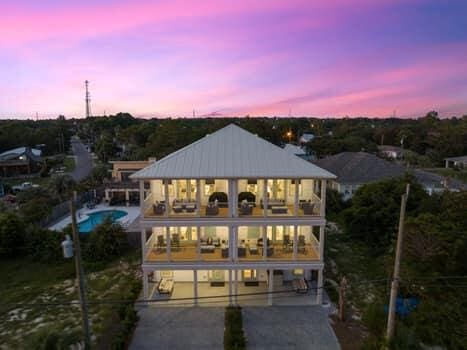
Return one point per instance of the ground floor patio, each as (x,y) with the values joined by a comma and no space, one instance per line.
(246,286)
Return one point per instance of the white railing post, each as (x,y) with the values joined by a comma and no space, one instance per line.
(323,198)
(321,243)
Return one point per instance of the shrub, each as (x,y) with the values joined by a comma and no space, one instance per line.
(234,338)
(44,245)
(11,234)
(106,242)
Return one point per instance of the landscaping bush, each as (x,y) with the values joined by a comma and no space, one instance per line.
(44,245)
(234,338)
(106,242)
(11,235)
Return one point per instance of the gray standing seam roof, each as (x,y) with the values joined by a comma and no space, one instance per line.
(231,152)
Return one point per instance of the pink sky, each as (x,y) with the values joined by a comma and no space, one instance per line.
(166,58)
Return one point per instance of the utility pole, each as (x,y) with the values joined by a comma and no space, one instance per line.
(80,275)
(397,262)
(87,100)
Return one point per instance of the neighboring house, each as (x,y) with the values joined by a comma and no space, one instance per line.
(354,169)
(456,161)
(232,210)
(306,137)
(298,151)
(392,152)
(434,183)
(121,189)
(20,161)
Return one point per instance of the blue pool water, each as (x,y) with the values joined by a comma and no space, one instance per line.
(98,217)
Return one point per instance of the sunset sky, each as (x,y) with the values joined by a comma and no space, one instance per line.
(166,58)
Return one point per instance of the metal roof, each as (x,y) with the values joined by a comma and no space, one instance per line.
(16,152)
(231,152)
(293,149)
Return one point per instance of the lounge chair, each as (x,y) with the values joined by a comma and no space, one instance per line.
(212,209)
(287,243)
(175,242)
(301,244)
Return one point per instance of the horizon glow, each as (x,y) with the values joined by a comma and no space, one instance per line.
(329,58)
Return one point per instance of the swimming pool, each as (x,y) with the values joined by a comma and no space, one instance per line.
(98,217)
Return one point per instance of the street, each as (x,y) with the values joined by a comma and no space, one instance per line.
(83,160)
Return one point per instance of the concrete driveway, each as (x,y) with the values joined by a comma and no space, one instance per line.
(83,164)
(287,328)
(179,328)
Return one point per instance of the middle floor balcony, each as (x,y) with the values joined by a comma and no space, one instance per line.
(233,244)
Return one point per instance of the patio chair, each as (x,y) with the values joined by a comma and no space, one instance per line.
(212,209)
(301,244)
(159,208)
(308,208)
(160,244)
(246,209)
(287,243)
(175,242)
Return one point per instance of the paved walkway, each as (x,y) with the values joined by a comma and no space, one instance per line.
(177,328)
(287,328)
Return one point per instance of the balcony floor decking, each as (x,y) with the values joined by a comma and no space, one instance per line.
(190,254)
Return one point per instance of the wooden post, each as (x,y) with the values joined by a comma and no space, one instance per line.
(80,274)
(395,280)
(342,288)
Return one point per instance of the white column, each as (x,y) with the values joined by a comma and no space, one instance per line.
(296,195)
(233,244)
(198,197)
(167,239)
(195,286)
(265,197)
(230,197)
(127,197)
(166,197)
(264,235)
(323,198)
(270,286)
(295,242)
(234,196)
(188,189)
(143,245)
(321,243)
(319,291)
(235,286)
(198,243)
(141,197)
(145,285)
(230,287)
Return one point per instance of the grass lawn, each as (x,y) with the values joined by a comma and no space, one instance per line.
(69,163)
(30,282)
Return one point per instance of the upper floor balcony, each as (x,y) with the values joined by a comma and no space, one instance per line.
(233,198)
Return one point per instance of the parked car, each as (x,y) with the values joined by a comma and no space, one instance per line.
(24,186)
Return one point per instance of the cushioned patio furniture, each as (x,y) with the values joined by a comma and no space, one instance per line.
(159,208)
(190,208)
(207,249)
(160,244)
(165,286)
(175,242)
(221,197)
(245,209)
(276,209)
(273,203)
(212,209)
(301,244)
(308,208)
(287,244)
(241,252)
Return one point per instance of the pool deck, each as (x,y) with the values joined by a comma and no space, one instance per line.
(81,214)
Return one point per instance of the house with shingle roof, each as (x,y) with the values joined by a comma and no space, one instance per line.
(354,169)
